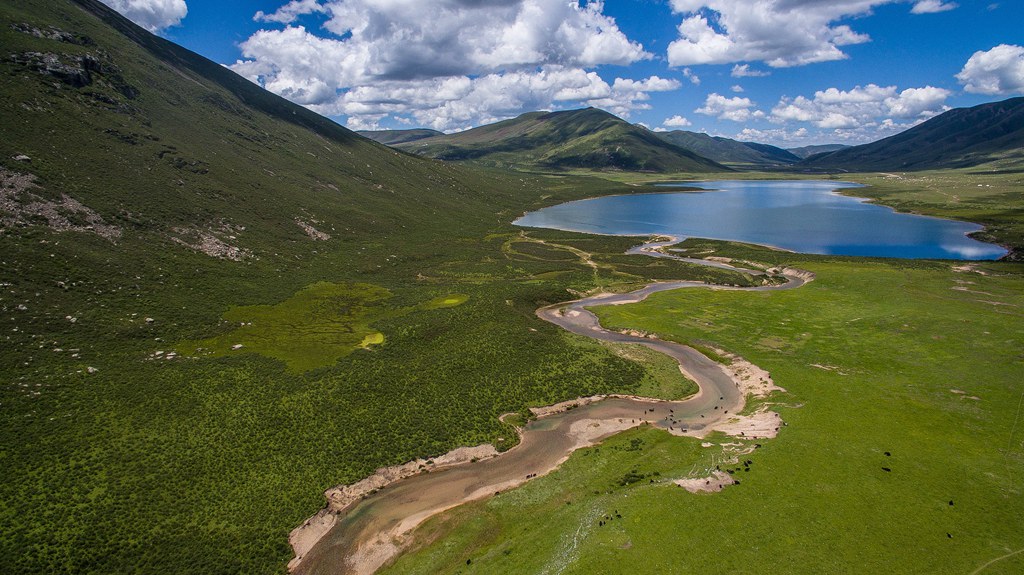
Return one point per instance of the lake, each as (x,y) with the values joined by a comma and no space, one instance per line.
(805,216)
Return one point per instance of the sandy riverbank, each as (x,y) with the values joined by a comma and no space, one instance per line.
(305,536)
(384,545)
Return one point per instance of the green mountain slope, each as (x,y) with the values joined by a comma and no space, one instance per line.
(110,105)
(727,151)
(394,137)
(587,138)
(955,139)
(808,151)
(217,304)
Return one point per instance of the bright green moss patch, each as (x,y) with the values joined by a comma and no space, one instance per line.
(372,339)
(451,300)
(314,328)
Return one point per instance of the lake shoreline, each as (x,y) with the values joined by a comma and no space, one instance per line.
(822,217)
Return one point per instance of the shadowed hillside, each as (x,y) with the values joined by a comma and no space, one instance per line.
(394,137)
(94,102)
(808,151)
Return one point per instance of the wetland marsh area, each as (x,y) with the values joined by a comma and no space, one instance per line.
(902,437)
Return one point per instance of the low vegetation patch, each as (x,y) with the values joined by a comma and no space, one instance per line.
(314,328)
(444,301)
(663,379)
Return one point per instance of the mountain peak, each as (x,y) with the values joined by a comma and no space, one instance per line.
(589,138)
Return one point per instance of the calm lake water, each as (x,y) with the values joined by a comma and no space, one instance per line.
(805,216)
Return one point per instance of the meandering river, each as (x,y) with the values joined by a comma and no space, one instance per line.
(363,534)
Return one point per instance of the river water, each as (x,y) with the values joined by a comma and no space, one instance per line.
(806,216)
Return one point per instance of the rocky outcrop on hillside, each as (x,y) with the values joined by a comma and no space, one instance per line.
(20,206)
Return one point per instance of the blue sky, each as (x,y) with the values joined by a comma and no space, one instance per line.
(787,72)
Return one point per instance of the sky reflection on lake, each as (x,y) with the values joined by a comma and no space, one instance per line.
(801,215)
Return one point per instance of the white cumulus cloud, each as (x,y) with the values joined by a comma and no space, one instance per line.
(996,71)
(401,39)
(628,95)
(301,66)
(918,102)
(377,57)
(744,71)
(291,11)
(676,121)
(862,107)
(777,136)
(932,6)
(736,109)
(153,15)
(460,102)
(779,33)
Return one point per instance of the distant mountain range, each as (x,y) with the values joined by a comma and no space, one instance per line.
(395,137)
(587,138)
(808,151)
(726,151)
(958,138)
(594,139)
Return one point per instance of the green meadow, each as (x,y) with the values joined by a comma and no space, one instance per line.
(903,453)
(663,379)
